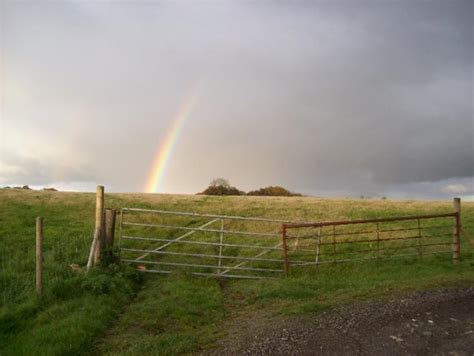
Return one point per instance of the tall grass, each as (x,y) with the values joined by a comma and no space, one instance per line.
(17,261)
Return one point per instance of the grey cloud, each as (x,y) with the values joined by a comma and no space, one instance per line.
(335,96)
(17,169)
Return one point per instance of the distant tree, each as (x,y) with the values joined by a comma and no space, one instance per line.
(221,186)
(219,182)
(275,191)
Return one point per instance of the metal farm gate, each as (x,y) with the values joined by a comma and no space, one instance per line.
(332,242)
(159,241)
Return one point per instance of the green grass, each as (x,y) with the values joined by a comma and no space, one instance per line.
(112,311)
(171,315)
(69,315)
(75,307)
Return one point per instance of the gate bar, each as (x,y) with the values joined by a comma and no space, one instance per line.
(205,230)
(353,222)
(201,255)
(211,243)
(203,266)
(209,274)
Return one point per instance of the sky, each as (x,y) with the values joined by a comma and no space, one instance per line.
(326,98)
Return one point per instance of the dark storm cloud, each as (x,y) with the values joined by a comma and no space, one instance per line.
(318,96)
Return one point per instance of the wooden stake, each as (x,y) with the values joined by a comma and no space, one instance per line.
(457,231)
(109,232)
(97,242)
(39,256)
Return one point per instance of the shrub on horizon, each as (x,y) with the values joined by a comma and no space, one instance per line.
(221,186)
(275,191)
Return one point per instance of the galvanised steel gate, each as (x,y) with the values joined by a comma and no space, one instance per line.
(160,241)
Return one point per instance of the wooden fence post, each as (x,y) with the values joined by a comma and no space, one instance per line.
(99,224)
(97,242)
(39,256)
(109,233)
(457,231)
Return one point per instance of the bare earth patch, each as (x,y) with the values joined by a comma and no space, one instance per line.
(423,323)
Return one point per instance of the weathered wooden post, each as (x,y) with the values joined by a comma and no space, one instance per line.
(109,233)
(39,255)
(97,242)
(99,224)
(457,231)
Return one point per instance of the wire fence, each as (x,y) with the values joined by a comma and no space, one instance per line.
(17,264)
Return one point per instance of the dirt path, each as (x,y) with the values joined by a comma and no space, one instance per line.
(424,323)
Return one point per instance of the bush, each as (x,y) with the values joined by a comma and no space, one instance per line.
(275,191)
(221,186)
(221,190)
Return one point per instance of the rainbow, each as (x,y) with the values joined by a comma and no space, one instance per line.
(166,148)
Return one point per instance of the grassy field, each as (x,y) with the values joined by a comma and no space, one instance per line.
(119,311)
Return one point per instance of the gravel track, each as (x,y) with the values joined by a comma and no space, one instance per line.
(424,323)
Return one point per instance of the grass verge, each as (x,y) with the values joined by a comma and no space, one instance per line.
(70,314)
(99,313)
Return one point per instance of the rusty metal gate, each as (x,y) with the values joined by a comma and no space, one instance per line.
(332,242)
